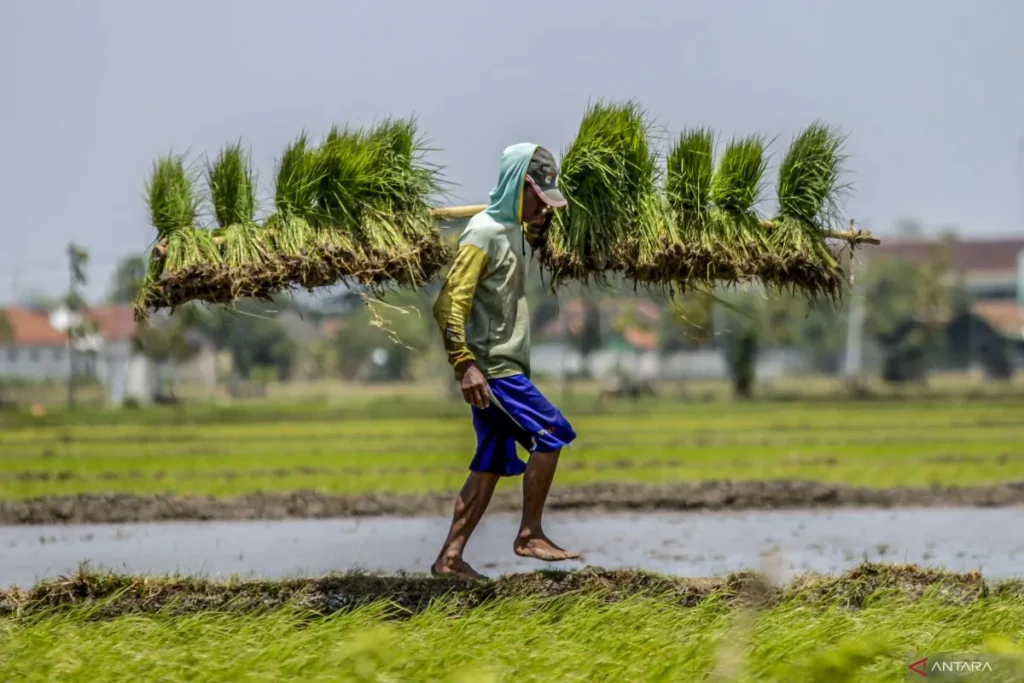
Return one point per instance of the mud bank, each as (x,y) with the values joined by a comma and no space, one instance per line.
(111,595)
(606,497)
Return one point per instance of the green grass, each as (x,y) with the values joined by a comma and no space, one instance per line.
(520,639)
(911,444)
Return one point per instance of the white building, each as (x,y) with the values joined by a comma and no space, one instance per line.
(35,350)
(38,350)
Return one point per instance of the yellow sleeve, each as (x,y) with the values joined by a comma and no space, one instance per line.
(451,310)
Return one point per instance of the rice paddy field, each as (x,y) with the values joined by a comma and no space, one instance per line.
(405,458)
(422,446)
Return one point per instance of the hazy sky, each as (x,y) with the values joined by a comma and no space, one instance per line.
(931,93)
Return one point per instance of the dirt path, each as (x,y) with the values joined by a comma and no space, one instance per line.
(712,495)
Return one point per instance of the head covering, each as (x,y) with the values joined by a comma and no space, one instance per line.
(543,175)
(521,163)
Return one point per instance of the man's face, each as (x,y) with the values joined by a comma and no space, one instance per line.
(535,211)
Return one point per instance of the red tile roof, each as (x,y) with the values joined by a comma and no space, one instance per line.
(114,323)
(1005,316)
(966,255)
(32,328)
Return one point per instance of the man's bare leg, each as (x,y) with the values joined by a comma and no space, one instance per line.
(531,541)
(469,508)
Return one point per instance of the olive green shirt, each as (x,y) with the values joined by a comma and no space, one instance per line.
(481,309)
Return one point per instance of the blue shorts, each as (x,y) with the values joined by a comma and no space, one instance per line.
(518,414)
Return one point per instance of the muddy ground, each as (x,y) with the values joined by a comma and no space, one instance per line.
(115,595)
(610,497)
(787,543)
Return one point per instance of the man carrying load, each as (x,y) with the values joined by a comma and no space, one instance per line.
(484,322)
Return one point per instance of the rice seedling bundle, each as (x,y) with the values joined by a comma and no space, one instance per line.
(292,229)
(697,223)
(374,198)
(610,178)
(174,207)
(353,208)
(249,267)
(808,191)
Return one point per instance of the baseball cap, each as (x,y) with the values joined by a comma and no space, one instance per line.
(542,173)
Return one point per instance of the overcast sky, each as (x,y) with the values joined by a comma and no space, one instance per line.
(931,93)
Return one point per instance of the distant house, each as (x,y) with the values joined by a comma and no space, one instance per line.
(36,351)
(39,351)
(114,353)
(988,267)
(990,335)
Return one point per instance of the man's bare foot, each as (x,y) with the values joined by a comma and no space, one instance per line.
(540,547)
(455,566)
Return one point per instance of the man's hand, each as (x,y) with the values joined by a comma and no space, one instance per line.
(474,387)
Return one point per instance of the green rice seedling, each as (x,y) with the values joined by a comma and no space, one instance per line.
(610,177)
(233,195)
(809,190)
(690,170)
(809,187)
(689,209)
(245,247)
(352,184)
(183,252)
(295,198)
(376,190)
(404,188)
(736,190)
(171,195)
(232,186)
(406,182)
(174,208)
(299,174)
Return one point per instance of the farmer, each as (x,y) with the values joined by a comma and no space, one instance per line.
(482,313)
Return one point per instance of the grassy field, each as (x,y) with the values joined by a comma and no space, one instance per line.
(419,446)
(856,628)
(847,630)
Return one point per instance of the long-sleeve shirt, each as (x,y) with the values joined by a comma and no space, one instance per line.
(481,310)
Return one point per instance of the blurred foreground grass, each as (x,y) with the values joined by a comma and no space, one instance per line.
(577,638)
(226,451)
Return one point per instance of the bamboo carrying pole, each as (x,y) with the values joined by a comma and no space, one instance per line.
(852,235)
(447,213)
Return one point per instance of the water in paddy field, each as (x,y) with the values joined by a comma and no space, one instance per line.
(684,544)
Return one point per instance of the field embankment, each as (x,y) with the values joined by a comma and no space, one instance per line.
(865,625)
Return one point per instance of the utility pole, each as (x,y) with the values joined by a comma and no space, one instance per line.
(1020,183)
(77,258)
(854,337)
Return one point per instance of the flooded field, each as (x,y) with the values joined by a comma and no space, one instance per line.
(678,543)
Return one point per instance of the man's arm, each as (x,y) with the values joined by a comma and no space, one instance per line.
(454,303)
